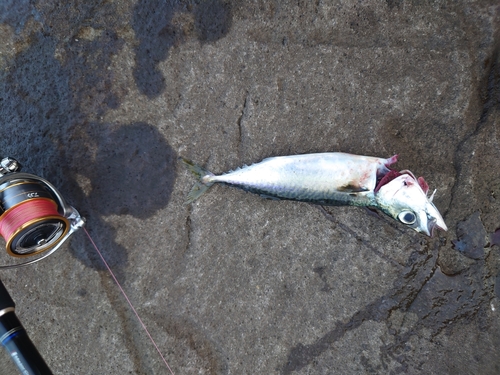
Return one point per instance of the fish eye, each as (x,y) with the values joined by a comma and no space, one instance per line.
(407,217)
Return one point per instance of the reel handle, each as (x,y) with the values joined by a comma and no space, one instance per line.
(15,340)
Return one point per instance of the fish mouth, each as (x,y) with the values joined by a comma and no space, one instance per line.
(433,227)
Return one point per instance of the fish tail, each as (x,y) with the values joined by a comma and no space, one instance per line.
(202,185)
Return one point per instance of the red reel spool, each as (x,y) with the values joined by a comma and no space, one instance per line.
(34,217)
(25,218)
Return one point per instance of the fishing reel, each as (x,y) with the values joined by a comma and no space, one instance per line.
(34,218)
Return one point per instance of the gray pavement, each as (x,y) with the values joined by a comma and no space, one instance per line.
(102,97)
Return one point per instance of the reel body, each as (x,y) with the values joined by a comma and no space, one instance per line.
(34,218)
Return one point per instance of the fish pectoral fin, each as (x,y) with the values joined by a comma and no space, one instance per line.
(352,188)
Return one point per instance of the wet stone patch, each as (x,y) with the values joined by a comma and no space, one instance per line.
(102,97)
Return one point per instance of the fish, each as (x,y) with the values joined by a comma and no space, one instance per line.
(333,179)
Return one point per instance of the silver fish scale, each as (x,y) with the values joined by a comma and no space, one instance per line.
(312,178)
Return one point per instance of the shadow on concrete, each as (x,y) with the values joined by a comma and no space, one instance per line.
(128,169)
(53,93)
(160,25)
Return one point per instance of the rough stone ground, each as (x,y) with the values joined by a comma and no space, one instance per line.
(101,97)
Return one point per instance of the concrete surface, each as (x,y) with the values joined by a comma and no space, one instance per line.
(101,97)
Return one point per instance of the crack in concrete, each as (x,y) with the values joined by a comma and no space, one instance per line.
(241,119)
(188,229)
(490,102)
(441,310)
(347,229)
(406,288)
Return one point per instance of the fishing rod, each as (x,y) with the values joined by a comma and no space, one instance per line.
(16,341)
(35,221)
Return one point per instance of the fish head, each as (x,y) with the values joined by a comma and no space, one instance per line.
(404,198)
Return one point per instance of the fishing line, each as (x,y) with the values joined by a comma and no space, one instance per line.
(35,219)
(128,300)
